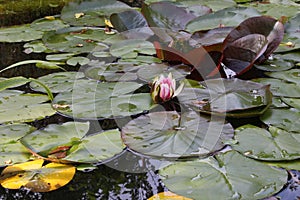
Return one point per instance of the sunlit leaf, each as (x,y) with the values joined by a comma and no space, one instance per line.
(12,151)
(79,60)
(168,196)
(36,177)
(228,97)
(230,176)
(274,144)
(19,107)
(20,33)
(48,25)
(13,82)
(170,135)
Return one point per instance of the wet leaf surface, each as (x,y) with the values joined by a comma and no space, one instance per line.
(230,176)
(170,135)
(228,97)
(274,144)
(21,33)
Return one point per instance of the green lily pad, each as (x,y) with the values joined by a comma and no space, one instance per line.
(131,47)
(91,13)
(44,24)
(277,102)
(230,176)
(170,135)
(290,165)
(58,82)
(112,72)
(277,64)
(274,145)
(18,107)
(71,141)
(91,99)
(166,15)
(149,72)
(293,102)
(292,75)
(227,17)
(139,60)
(74,40)
(12,151)
(228,97)
(281,87)
(60,56)
(286,119)
(79,60)
(36,46)
(215,5)
(20,33)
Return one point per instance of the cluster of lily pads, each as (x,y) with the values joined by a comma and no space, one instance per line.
(125,55)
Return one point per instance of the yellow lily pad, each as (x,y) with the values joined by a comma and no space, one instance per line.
(168,196)
(36,177)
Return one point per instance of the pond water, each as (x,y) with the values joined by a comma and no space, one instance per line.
(128,175)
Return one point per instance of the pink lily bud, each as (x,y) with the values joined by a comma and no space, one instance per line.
(163,88)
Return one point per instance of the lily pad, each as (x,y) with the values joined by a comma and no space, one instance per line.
(58,82)
(278,63)
(286,119)
(280,87)
(228,97)
(131,47)
(112,72)
(149,72)
(20,33)
(215,5)
(274,145)
(44,24)
(12,151)
(166,15)
(74,40)
(90,99)
(69,142)
(91,13)
(36,177)
(292,75)
(170,135)
(230,176)
(226,17)
(18,107)
(293,102)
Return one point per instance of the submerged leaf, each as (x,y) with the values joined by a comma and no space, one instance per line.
(36,177)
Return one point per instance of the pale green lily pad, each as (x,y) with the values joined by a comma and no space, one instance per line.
(230,176)
(277,102)
(60,56)
(281,87)
(228,97)
(149,72)
(81,147)
(93,12)
(293,102)
(291,165)
(139,60)
(74,40)
(227,17)
(58,82)
(286,119)
(112,72)
(36,46)
(12,151)
(20,33)
(274,145)
(131,47)
(91,99)
(18,107)
(44,24)
(292,75)
(78,60)
(170,135)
